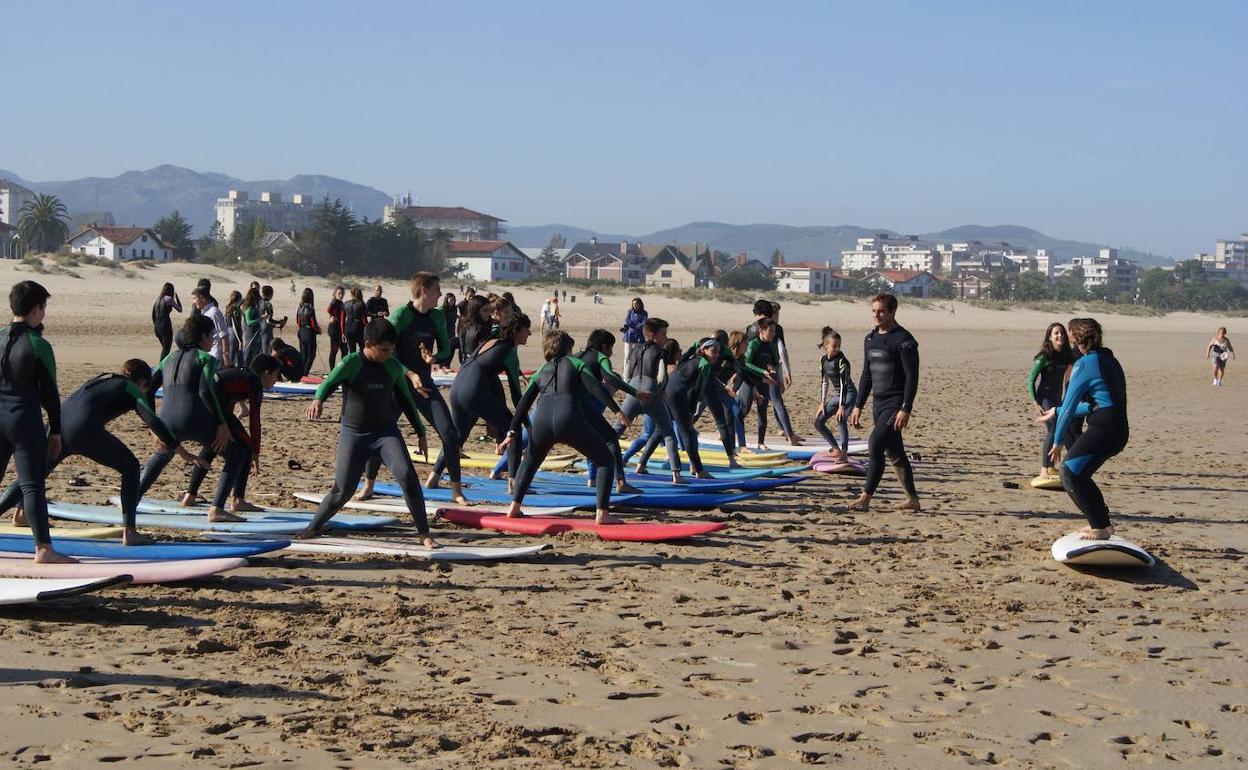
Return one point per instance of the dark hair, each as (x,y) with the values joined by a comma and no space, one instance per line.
(1086,333)
(195,327)
(765,323)
(599,339)
(556,343)
(136,370)
(306,298)
(205,284)
(379,331)
(266,292)
(252,298)
(277,343)
(264,363)
(721,337)
(423,280)
(671,352)
(1046,347)
(517,322)
(654,325)
(764,308)
(828,333)
(357,294)
(166,290)
(471,317)
(25,296)
(889,301)
(511,298)
(236,299)
(639,302)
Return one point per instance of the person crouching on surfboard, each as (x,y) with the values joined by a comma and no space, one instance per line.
(1098,390)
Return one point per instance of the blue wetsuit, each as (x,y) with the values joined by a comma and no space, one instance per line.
(1097,390)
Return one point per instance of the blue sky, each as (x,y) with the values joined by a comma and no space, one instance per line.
(1120,122)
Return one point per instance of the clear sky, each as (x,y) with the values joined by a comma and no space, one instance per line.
(1118,122)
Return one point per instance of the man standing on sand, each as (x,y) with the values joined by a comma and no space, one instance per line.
(221,335)
(377,305)
(890,372)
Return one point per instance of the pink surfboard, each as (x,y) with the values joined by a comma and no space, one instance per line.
(851,468)
(552,525)
(142,571)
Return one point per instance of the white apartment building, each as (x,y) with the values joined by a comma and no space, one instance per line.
(119,243)
(1232,250)
(1229,262)
(803,277)
(885,252)
(1120,276)
(239,209)
(460,223)
(489,261)
(12,198)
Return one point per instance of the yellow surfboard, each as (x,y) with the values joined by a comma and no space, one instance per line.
(1047,482)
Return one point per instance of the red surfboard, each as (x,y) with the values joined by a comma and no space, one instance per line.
(551,525)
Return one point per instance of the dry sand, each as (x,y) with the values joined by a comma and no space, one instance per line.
(803,634)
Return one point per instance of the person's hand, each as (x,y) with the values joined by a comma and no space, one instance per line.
(625,421)
(190,459)
(425,355)
(1047,415)
(422,445)
(788,380)
(901,421)
(840,414)
(819,414)
(54,446)
(770,380)
(645,397)
(255,463)
(314,410)
(855,418)
(1055,455)
(1039,409)
(222,439)
(502,445)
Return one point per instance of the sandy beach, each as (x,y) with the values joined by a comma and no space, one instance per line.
(803,634)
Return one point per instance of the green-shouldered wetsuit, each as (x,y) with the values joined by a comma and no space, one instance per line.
(27,385)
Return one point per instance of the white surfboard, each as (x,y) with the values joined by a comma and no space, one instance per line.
(1114,552)
(396,506)
(28,590)
(352,547)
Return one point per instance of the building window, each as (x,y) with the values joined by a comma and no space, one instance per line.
(101,251)
(665,274)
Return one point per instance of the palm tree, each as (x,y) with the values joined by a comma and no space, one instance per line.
(44,224)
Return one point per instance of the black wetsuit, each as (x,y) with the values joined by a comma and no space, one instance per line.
(1097,390)
(305,320)
(377,307)
(470,336)
(354,318)
(234,386)
(28,383)
(690,382)
(760,360)
(836,391)
(373,397)
(292,362)
(642,370)
(85,416)
(775,391)
(890,372)
(477,394)
(192,410)
(162,325)
(334,330)
(563,383)
(428,329)
(1045,384)
(599,367)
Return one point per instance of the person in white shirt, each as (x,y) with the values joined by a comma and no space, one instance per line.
(545,316)
(221,337)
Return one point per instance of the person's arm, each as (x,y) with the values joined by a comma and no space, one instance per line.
(49,394)
(345,372)
(864,379)
(823,385)
(208,386)
(398,373)
(176,302)
(909,352)
(846,377)
(521,417)
(157,379)
(254,395)
(442,339)
(148,416)
(748,362)
(512,367)
(593,385)
(1085,371)
(1036,366)
(784,357)
(613,379)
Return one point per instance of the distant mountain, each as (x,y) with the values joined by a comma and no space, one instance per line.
(142,197)
(818,243)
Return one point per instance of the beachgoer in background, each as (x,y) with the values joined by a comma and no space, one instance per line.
(220,349)
(337,343)
(308,329)
(377,305)
(633,321)
(1221,351)
(354,319)
(162,325)
(1045,383)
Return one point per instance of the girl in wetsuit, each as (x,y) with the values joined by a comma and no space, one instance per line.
(646,371)
(476,393)
(562,383)
(450,314)
(252,325)
(720,400)
(760,361)
(354,318)
(334,329)
(690,382)
(597,359)
(473,329)
(1045,384)
(1221,351)
(305,319)
(837,393)
(162,326)
(1098,390)
(234,322)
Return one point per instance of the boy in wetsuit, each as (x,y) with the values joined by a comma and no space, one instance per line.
(27,384)
(890,372)
(375,391)
(291,360)
(765,310)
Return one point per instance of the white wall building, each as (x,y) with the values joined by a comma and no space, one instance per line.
(119,243)
(1106,269)
(885,252)
(803,277)
(487,261)
(12,197)
(1232,250)
(239,209)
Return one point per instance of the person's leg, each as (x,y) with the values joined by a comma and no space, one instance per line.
(1085,457)
(198,474)
(1046,445)
(153,468)
(821,422)
(166,341)
(463,418)
(843,423)
(589,442)
(541,439)
(393,451)
(106,449)
(765,392)
(504,460)
(682,422)
(354,449)
(438,414)
(29,448)
(876,444)
(895,451)
(335,342)
(776,392)
(236,455)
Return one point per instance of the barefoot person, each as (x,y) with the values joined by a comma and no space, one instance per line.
(1045,383)
(890,372)
(1221,351)
(375,391)
(597,359)
(646,369)
(761,358)
(28,384)
(837,394)
(693,381)
(1098,390)
(560,383)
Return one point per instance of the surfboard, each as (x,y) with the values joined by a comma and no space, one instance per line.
(639,532)
(294,388)
(658,472)
(344,521)
(141,571)
(1114,552)
(810,445)
(443,495)
(644,483)
(31,590)
(850,468)
(341,546)
(1047,482)
(486,462)
(95,533)
(396,506)
(727,472)
(71,546)
(107,514)
(673,498)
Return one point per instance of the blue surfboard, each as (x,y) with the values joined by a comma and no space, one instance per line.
(340,521)
(113,549)
(485,495)
(107,514)
(662,483)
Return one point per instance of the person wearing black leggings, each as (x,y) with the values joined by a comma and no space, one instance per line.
(27,385)
(890,371)
(192,411)
(162,326)
(85,416)
(561,419)
(1045,383)
(693,381)
(423,342)
(597,359)
(477,395)
(760,362)
(333,329)
(309,329)
(376,389)
(1097,390)
(354,318)
(643,368)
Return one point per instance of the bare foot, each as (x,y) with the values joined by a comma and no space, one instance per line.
(432,480)
(704,475)
(308,534)
(1097,534)
(19,518)
(242,506)
(603,517)
(678,479)
(909,504)
(642,470)
(44,554)
(364,494)
(218,515)
(762,448)
(132,537)
(188,500)
(863,503)
(627,489)
(431,543)
(514,511)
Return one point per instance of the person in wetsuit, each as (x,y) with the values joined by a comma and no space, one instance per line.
(308,329)
(597,359)
(192,411)
(560,419)
(837,394)
(377,306)
(253,325)
(890,372)
(643,371)
(85,416)
(354,319)
(1098,391)
(337,342)
(1045,383)
(162,325)
(27,385)
(761,359)
(268,319)
(783,379)
(375,391)
(290,360)
(233,313)
(472,330)
(423,342)
(242,389)
(692,381)
(477,394)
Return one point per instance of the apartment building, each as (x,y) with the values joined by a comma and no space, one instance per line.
(461,224)
(238,209)
(1106,269)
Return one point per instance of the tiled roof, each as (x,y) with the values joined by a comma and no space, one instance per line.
(804,265)
(117,235)
(900,276)
(475,246)
(443,212)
